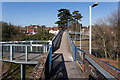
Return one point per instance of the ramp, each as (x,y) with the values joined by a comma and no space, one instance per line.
(63,65)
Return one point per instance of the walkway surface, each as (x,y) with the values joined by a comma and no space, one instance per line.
(63,65)
(65,48)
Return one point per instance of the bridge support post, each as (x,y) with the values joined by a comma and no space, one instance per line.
(22,72)
(26,54)
(11,53)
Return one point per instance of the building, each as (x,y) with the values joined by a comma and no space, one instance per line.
(32,29)
(85,29)
(54,30)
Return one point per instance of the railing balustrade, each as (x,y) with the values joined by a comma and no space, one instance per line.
(91,66)
(11,49)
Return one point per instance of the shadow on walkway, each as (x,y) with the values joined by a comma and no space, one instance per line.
(58,69)
(57,46)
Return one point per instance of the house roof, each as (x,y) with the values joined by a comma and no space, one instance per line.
(54,28)
(30,29)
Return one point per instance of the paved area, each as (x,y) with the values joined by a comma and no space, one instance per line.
(63,66)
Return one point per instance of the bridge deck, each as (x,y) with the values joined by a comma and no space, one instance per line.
(63,65)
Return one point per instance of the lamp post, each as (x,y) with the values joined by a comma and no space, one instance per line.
(90,33)
(80,37)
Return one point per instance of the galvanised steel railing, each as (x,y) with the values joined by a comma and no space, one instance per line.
(76,52)
(14,48)
(11,48)
(55,43)
(72,32)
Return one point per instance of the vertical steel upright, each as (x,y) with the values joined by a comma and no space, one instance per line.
(11,53)
(26,54)
(75,53)
(50,54)
(31,45)
(50,58)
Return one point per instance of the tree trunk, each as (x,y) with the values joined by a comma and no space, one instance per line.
(110,56)
(117,57)
(105,49)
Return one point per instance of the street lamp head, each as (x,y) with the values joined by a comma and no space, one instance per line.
(95,4)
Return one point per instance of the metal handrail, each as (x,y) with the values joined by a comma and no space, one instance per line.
(72,32)
(99,68)
(24,41)
(25,45)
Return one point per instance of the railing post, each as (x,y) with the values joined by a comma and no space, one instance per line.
(44,48)
(26,54)
(50,58)
(31,46)
(6,47)
(11,53)
(50,43)
(75,53)
(36,48)
(22,49)
(83,62)
(1,52)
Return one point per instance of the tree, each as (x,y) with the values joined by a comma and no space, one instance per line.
(74,21)
(64,18)
(114,21)
(42,34)
(102,39)
(106,35)
(43,26)
(10,32)
(77,16)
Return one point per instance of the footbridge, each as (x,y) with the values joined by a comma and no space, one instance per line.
(57,59)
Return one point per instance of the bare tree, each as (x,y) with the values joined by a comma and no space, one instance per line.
(106,35)
(101,38)
(114,21)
